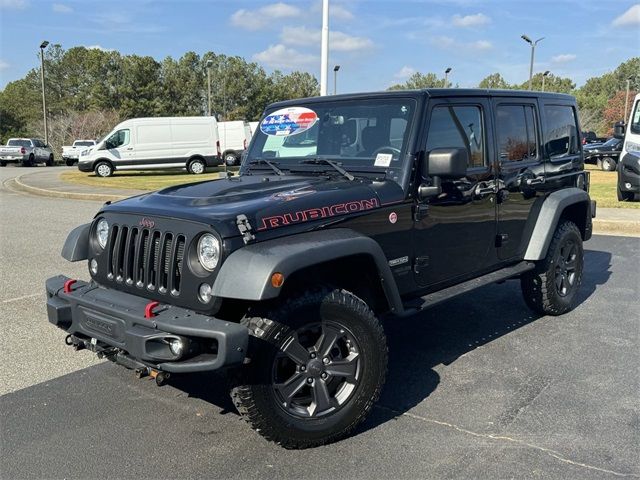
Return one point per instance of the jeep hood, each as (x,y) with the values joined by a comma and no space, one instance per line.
(268,202)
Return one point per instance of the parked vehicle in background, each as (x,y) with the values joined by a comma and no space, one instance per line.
(386,204)
(605,155)
(234,138)
(71,153)
(155,143)
(629,164)
(26,151)
(591,137)
(254,127)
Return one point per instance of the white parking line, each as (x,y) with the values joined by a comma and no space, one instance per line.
(22,298)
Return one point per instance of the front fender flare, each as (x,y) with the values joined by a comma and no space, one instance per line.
(246,274)
(76,246)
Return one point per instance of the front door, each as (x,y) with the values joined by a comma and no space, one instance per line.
(455,231)
(120,148)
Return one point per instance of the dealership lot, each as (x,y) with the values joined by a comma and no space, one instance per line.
(477,388)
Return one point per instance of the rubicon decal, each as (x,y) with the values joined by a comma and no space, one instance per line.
(310,214)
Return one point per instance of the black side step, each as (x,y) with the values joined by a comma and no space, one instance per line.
(445,294)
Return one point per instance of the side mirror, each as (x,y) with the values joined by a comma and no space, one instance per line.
(446,163)
(618,130)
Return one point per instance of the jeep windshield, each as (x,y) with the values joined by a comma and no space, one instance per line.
(364,135)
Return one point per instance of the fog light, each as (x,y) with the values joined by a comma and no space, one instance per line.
(627,186)
(93,266)
(176,345)
(204,293)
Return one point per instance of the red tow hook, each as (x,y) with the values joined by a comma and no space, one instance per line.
(148,310)
(67,285)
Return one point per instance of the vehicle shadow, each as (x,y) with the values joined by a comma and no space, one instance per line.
(437,336)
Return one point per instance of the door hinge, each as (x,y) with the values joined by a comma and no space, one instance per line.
(501,239)
(420,264)
(420,211)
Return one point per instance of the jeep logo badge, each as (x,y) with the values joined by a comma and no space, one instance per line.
(146,223)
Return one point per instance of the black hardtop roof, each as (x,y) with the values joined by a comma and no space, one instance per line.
(432,93)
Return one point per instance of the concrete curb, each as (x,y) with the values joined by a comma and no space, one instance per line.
(616,227)
(99,197)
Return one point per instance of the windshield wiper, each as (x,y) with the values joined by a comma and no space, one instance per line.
(271,165)
(336,166)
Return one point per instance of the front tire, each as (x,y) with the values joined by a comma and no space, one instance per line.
(196,166)
(608,164)
(103,169)
(318,363)
(552,287)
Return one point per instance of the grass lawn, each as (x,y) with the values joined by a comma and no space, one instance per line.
(143,180)
(603,184)
(603,189)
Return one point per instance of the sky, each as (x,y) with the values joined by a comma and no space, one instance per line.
(376,42)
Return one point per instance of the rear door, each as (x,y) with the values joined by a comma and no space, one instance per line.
(520,173)
(455,231)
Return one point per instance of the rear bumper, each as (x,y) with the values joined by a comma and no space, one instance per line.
(115,322)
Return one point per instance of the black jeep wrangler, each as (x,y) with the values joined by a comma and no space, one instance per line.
(347,208)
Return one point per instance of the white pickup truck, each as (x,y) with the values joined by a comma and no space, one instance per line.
(71,153)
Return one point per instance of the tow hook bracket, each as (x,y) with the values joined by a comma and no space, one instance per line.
(148,310)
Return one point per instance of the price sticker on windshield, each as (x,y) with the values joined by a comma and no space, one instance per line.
(383,160)
(288,121)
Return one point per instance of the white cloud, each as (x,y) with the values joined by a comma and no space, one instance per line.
(340,12)
(280,56)
(260,18)
(61,8)
(404,72)
(338,41)
(3,65)
(475,20)
(449,43)
(15,4)
(99,47)
(629,18)
(563,58)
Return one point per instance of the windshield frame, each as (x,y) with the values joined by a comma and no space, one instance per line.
(399,169)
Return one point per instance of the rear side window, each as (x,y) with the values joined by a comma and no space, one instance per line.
(458,127)
(517,132)
(562,132)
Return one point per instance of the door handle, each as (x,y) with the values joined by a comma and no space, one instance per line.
(130,148)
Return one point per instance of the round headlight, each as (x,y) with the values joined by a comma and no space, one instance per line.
(208,251)
(102,232)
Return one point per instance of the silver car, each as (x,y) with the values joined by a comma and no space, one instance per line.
(27,151)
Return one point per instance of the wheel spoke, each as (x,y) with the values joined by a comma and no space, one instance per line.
(559,282)
(296,351)
(292,386)
(321,398)
(327,340)
(344,368)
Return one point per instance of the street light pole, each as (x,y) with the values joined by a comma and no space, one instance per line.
(544,76)
(43,45)
(324,48)
(209,64)
(626,102)
(335,79)
(533,51)
(446,77)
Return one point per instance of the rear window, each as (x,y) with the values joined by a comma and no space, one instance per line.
(19,143)
(83,144)
(562,133)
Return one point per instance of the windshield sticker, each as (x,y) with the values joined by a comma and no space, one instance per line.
(383,160)
(288,121)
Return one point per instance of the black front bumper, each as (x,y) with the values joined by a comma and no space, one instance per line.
(85,166)
(115,321)
(629,174)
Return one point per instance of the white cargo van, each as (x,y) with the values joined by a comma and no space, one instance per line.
(234,139)
(155,143)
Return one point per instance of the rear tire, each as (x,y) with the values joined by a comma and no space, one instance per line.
(608,164)
(69,163)
(196,166)
(318,363)
(551,288)
(103,169)
(230,159)
(3,163)
(50,161)
(29,162)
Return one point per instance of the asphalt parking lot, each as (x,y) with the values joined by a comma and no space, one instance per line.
(478,387)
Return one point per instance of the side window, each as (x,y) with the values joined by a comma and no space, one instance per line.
(635,119)
(517,132)
(458,127)
(562,132)
(118,139)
